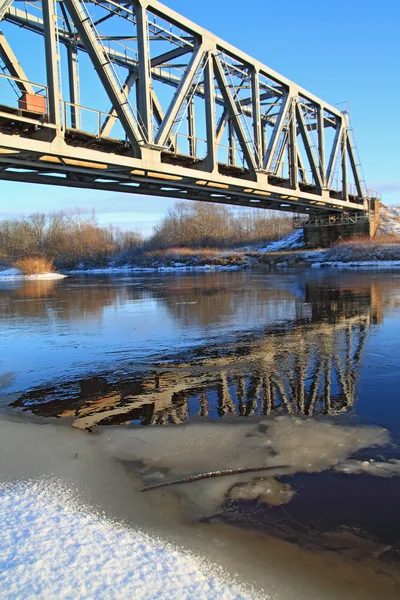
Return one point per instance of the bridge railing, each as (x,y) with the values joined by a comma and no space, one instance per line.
(330,220)
(91,121)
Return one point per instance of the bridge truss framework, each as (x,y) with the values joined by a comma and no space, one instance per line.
(189,117)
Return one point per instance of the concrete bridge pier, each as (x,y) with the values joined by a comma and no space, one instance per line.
(325,230)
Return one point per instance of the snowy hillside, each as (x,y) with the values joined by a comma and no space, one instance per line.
(390,220)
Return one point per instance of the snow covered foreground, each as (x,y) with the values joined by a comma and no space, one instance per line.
(51,548)
(13,273)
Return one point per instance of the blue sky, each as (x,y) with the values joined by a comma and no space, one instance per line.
(347,50)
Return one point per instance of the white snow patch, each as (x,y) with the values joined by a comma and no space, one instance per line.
(293,241)
(52,548)
(13,273)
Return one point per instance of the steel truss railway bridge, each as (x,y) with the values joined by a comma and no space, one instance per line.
(133,97)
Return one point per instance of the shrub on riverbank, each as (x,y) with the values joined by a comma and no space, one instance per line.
(35,265)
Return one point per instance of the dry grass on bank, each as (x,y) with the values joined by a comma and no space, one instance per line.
(380,248)
(366,240)
(189,257)
(35,265)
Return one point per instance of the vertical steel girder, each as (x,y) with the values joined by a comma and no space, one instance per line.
(256,115)
(52,59)
(211,158)
(144,82)
(321,144)
(293,153)
(191,129)
(344,168)
(73,79)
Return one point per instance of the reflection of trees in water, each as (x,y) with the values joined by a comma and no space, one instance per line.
(199,300)
(309,370)
(64,302)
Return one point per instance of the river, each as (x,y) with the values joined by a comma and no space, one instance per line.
(115,382)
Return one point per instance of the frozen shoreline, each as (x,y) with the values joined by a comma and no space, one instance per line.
(16,274)
(101,470)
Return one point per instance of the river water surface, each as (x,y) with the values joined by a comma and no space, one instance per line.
(115,382)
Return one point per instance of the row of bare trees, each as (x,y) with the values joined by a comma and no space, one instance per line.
(203,225)
(74,237)
(68,237)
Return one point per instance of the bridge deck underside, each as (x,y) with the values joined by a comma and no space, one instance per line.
(84,160)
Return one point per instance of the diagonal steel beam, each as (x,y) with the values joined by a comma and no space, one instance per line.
(307,145)
(167,56)
(303,172)
(110,119)
(159,116)
(223,120)
(354,167)
(4,6)
(276,134)
(233,113)
(14,67)
(334,154)
(179,97)
(105,72)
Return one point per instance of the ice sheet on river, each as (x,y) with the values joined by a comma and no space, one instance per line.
(288,443)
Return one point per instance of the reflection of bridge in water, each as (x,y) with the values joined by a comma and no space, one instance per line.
(308,365)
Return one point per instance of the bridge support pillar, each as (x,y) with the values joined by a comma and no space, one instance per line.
(324,232)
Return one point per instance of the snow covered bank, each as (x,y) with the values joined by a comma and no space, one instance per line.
(9,274)
(293,241)
(390,220)
(52,548)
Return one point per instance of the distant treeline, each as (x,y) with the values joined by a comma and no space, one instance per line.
(68,237)
(72,238)
(203,225)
